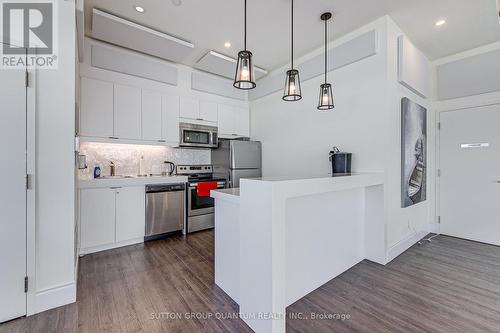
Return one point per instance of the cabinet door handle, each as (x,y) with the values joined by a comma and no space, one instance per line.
(162,141)
(115,187)
(113,137)
(234,134)
(199,119)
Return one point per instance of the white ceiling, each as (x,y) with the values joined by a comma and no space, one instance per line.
(209,23)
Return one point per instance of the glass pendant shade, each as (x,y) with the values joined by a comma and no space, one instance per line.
(245,76)
(292,90)
(325,97)
(325,90)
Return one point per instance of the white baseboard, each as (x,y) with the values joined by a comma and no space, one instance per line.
(55,297)
(99,248)
(403,245)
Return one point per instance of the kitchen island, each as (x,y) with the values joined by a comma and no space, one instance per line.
(278,239)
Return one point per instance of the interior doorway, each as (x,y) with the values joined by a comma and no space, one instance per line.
(469,184)
(13,193)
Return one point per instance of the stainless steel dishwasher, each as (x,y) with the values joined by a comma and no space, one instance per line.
(165,210)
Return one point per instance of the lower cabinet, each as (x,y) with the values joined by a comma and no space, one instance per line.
(111,217)
(130,213)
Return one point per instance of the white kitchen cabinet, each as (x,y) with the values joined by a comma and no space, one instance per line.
(192,108)
(151,115)
(130,208)
(233,121)
(170,118)
(96,113)
(242,121)
(189,108)
(111,217)
(208,111)
(97,217)
(127,112)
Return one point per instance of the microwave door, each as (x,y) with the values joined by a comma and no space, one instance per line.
(245,154)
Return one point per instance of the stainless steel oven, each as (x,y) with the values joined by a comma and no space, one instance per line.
(202,136)
(200,209)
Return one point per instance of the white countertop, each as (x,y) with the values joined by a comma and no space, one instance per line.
(229,194)
(134,181)
(290,187)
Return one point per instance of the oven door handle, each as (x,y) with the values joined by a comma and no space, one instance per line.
(219,185)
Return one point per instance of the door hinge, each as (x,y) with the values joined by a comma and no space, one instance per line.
(27,79)
(25,284)
(439,219)
(27,180)
(439,125)
(439,172)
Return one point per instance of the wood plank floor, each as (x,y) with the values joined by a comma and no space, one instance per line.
(449,285)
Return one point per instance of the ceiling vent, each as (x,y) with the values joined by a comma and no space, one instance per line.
(219,64)
(118,31)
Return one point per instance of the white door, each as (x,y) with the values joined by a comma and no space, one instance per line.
(242,121)
(130,216)
(226,120)
(151,115)
(170,118)
(96,115)
(470,174)
(12,194)
(97,217)
(208,111)
(190,108)
(127,112)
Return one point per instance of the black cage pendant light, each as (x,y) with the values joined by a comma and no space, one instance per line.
(245,76)
(292,90)
(325,90)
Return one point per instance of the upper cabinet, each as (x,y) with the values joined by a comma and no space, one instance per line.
(170,118)
(192,108)
(152,116)
(233,121)
(208,111)
(127,112)
(96,113)
(130,113)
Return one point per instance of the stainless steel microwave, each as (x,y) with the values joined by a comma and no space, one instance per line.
(202,136)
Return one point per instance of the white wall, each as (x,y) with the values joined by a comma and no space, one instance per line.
(366,121)
(55,218)
(404,225)
(297,138)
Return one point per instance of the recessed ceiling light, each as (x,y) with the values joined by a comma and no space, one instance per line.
(440,23)
(139,9)
(227,44)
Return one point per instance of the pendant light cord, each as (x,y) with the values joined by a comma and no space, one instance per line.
(326,57)
(245,20)
(292,34)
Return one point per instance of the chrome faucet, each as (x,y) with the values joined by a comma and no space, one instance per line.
(111,168)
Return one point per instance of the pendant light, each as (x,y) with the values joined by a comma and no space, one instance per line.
(292,90)
(325,90)
(245,76)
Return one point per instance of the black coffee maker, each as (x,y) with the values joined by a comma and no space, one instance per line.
(341,162)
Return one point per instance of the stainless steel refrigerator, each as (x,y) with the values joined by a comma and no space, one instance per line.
(236,159)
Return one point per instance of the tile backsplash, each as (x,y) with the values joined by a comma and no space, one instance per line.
(126,157)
